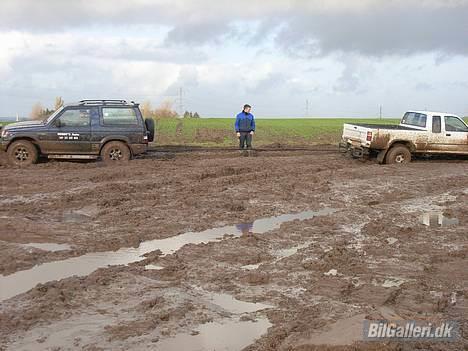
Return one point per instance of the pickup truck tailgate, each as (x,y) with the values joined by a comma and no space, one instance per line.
(355,133)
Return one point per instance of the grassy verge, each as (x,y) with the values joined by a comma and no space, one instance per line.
(220,131)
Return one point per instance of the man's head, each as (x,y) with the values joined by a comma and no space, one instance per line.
(247,108)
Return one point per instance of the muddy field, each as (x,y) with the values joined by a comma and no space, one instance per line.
(211,250)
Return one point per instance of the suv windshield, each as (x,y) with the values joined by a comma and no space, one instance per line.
(414,119)
(52,116)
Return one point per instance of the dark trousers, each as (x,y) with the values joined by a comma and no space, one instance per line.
(245,138)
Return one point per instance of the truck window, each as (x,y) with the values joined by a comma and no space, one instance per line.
(75,118)
(119,116)
(414,119)
(454,124)
(436,124)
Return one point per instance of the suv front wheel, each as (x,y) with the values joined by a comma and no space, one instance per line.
(115,151)
(22,153)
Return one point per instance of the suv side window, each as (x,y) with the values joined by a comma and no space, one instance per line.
(117,116)
(454,124)
(75,118)
(436,124)
(414,119)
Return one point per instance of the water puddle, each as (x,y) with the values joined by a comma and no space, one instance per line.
(229,303)
(48,246)
(153,267)
(22,281)
(230,335)
(251,267)
(438,219)
(285,253)
(393,282)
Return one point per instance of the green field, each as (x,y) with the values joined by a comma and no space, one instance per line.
(220,131)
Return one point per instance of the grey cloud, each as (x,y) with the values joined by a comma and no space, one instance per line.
(387,30)
(307,28)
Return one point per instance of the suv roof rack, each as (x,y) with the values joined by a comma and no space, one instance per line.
(107,102)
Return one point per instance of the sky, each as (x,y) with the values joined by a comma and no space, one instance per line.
(287,58)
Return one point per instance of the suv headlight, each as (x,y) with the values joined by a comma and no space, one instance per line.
(5,133)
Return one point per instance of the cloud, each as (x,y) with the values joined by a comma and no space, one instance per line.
(309,27)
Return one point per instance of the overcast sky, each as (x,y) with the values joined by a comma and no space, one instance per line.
(346,57)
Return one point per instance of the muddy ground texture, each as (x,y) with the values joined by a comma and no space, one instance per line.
(316,279)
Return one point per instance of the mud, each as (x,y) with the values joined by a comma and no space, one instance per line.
(304,283)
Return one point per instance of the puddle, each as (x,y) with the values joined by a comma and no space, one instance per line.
(437,219)
(393,282)
(232,335)
(342,332)
(229,303)
(284,253)
(229,336)
(48,246)
(81,215)
(153,267)
(22,281)
(251,267)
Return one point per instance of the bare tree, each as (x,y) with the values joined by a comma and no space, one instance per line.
(58,102)
(37,111)
(146,109)
(165,110)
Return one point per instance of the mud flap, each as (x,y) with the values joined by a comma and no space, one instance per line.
(381,156)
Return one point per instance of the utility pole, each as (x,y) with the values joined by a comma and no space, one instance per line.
(307,108)
(17,117)
(181,101)
(380,112)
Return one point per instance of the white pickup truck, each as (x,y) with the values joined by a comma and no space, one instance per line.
(419,132)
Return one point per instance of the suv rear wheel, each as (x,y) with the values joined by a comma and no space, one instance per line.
(398,154)
(115,151)
(22,153)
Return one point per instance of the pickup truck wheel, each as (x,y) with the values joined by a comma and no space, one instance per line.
(115,151)
(22,153)
(398,154)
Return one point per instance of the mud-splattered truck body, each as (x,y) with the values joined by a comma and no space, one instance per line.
(420,132)
(113,130)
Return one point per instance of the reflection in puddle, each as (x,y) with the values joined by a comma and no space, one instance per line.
(22,281)
(153,267)
(437,219)
(229,336)
(48,246)
(229,303)
(393,282)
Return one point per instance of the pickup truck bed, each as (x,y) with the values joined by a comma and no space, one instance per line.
(384,126)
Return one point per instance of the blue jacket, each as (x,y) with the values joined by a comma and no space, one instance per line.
(245,122)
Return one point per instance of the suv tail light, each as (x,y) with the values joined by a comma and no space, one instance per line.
(369,136)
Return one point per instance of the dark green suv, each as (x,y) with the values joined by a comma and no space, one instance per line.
(113,130)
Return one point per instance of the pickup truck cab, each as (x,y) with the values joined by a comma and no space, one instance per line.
(113,130)
(419,132)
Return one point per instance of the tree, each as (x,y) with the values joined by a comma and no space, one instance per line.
(146,109)
(58,102)
(36,111)
(186,114)
(165,110)
(196,115)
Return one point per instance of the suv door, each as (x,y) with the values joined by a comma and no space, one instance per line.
(70,132)
(118,122)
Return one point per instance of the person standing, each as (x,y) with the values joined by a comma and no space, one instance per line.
(245,127)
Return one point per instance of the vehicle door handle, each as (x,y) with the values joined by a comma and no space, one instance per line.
(448,134)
